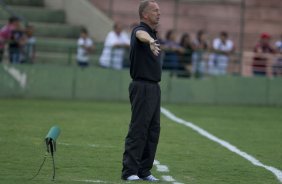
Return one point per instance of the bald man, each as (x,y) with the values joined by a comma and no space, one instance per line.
(145,70)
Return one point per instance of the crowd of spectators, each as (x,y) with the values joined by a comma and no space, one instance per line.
(187,56)
(197,56)
(267,59)
(19,41)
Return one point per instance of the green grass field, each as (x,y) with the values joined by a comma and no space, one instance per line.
(90,146)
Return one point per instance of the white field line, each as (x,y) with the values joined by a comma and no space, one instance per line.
(21,78)
(64,144)
(94,181)
(168,178)
(164,168)
(89,145)
(253,160)
(160,168)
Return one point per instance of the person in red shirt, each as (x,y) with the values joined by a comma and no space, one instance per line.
(261,50)
(6,33)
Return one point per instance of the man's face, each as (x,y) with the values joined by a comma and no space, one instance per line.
(83,35)
(29,31)
(265,40)
(152,13)
(223,38)
(16,24)
(118,28)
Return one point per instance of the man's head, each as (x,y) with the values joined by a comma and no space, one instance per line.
(149,12)
(15,21)
(201,35)
(223,36)
(118,27)
(170,35)
(29,30)
(265,38)
(83,33)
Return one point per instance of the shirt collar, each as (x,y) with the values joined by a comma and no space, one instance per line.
(148,27)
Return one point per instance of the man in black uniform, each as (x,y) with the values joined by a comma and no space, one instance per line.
(145,70)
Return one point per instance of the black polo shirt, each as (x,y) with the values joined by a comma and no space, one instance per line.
(144,66)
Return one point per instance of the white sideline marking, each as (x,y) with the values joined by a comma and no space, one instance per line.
(89,145)
(168,178)
(164,168)
(94,181)
(223,143)
(160,168)
(21,78)
(156,162)
(65,144)
(99,146)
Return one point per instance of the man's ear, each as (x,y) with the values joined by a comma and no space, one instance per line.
(145,15)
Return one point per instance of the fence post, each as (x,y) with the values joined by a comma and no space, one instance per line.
(242,33)
(74,81)
(69,56)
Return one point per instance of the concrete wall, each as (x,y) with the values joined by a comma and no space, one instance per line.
(66,82)
(260,16)
(83,13)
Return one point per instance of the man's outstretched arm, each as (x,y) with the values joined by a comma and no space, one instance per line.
(143,36)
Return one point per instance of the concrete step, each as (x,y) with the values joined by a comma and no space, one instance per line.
(61,45)
(35,14)
(56,30)
(25,2)
(53,30)
(62,58)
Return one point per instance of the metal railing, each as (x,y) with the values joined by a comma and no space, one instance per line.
(239,64)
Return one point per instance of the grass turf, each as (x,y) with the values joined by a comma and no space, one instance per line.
(96,132)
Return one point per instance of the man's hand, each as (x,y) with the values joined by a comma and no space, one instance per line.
(155,47)
(143,36)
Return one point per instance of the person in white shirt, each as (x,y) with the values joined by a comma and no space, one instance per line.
(29,46)
(114,48)
(278,44)
(84,47)
(278,63)
(222,48)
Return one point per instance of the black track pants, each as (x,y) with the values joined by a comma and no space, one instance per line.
(144,129)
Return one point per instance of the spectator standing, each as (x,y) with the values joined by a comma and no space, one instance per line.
(16,44)
(114,48)
(29,48)
(262,51)
(6,32)
(278,44)
(222,48)
(186,57)
(172,50)
(199,56)
(85,46)
(278,64)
